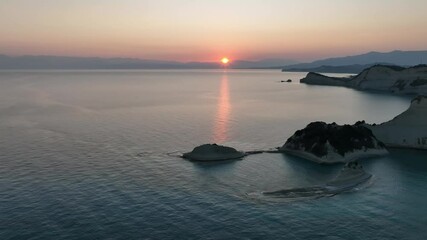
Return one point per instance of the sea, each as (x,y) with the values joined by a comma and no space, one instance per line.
(94,154)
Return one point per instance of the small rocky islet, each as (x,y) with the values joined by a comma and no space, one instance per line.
(213,152)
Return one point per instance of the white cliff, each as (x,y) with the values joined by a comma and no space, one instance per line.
(407,130)
(393,79)
(411,80)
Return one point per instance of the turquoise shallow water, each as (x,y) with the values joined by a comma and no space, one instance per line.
(91,155)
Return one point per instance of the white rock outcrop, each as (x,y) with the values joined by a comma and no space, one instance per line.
(407,130)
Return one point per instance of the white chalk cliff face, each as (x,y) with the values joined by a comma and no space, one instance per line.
(332,143)
(393,79)
(408,130)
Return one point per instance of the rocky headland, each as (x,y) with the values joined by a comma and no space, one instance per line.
(394,79)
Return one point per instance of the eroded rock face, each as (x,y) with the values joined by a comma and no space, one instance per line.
(412,80)
(392,78)
(408,129)
(213,152)
(332,143)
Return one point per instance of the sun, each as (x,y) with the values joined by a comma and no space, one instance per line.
(225,60)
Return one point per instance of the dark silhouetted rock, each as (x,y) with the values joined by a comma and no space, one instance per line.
(332,143)
(213,152)
(286,81)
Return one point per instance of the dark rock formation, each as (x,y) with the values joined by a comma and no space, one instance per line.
(331,143)
(319,79)
(213,152)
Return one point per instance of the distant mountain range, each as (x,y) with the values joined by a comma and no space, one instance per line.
(356,63)
(273,63)
(60,62)
(349,64)
(355,68)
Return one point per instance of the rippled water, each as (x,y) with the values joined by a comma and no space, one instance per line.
(91,155)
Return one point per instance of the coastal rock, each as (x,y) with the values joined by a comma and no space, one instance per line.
(412,80)
(213,152)
(331,143)
(319,79)
(407,130)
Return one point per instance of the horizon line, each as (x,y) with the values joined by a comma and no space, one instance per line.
(194,61)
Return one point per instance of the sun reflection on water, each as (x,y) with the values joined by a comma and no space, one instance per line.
(222,118)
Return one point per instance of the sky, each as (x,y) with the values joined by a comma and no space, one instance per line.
(206,30)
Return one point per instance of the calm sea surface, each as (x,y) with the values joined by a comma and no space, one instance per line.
(92,155)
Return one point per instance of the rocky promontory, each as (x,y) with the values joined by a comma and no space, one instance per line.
(332,143)
(412,80)
(319,79)
(407,130)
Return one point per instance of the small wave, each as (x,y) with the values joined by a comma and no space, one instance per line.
(306,193)
(177,154)
(150,154)
(300,193)
(144,154)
